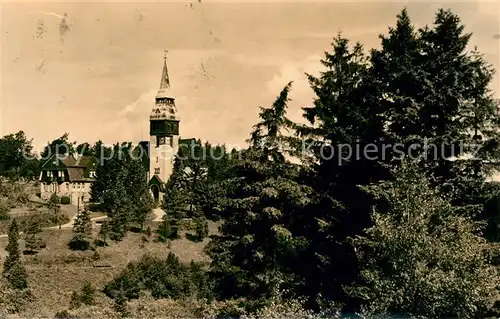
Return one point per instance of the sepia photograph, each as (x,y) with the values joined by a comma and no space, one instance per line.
(249,159)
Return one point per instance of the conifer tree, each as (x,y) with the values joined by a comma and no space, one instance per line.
(201,228)
(54,205)
(175,204)
(82,232)
(13,269)
(32,241)
(12,248)
(253,253)
(165,231)
(104,232)
(343,121)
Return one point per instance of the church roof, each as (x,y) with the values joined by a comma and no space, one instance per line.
(164,91)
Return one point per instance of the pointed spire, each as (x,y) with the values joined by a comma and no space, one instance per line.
(165,81)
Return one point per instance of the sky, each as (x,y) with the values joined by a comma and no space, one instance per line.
(92,69)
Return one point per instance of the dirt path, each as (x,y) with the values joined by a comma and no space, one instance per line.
(71,210)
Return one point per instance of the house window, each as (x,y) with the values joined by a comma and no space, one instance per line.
(156,159)
(157,171)
(60,174)
(93,174)
(171,140)
(49,174)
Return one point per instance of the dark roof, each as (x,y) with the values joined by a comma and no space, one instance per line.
(76,174)
(68,160)
(59,161)
(85,161)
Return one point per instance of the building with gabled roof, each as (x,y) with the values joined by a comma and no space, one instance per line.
(67,175)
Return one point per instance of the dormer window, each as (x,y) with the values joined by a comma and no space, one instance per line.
(92,174)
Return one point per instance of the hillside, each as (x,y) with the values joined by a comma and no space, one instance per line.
(56,271)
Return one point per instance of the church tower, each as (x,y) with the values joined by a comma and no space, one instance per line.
(164,135)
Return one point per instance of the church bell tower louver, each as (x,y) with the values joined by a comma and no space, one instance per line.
(164,135)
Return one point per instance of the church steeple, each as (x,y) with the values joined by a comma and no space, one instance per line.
(164,118)
(164,135)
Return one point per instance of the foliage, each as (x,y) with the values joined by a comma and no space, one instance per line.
(17,158)
(59,146)
(13,300)
(104,232)
(82,232)
(201,228)
(174,205)
(424,256)
(257,245)
(165,231)
(4,209)
(13,269)
(54,205)
(121,187)
(12,193)
(32,242)
(163,278)
(65,200)
(86,296)
(421,87)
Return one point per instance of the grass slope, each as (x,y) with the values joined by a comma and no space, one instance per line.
(55,272)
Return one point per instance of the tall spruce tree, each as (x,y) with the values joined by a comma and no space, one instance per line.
(344,122)
(253,253)
(175,207)
(13,270)
(31,241)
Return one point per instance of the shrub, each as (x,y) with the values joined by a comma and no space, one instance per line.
(14,300)
(86,296)
(65,200)
(165,231)
(120,305)
(4,209)
(80,242)
(163,278)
